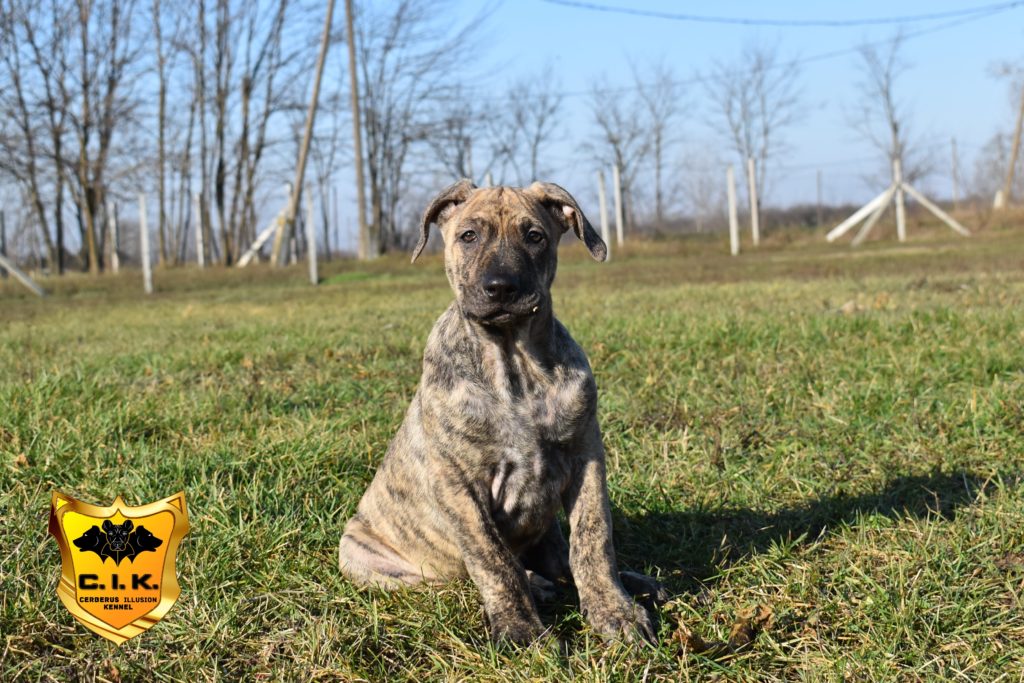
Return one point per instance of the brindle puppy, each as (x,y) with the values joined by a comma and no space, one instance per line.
(502,431)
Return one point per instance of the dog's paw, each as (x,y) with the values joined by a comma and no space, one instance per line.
(543,590)
(510,628)
(645,588)
(619,618)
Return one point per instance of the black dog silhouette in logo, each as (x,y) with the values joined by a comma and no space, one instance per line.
(118,541)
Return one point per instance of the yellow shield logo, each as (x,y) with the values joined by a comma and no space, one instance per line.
(117,563)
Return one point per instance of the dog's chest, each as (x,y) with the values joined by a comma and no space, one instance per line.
(533,465)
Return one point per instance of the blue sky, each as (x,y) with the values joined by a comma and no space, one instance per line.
(948,86)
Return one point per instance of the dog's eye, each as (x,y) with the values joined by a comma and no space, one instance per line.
(468,236)
(535,237)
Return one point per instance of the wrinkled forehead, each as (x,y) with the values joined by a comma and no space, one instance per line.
(500,206)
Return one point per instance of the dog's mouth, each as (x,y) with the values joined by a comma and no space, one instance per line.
(504,315)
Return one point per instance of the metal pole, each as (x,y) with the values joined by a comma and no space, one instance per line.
(147,274)
(755,227)
(619,212)
(734,224)
(901,218)
(602,200)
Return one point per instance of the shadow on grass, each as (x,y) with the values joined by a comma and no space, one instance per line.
(698,543)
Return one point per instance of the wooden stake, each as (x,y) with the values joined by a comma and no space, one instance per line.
(734,224)
(602,200)
(147,274)
(619,211)
(901,215)
(755,227)
(314,278)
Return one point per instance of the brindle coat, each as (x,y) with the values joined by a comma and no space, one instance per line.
(502,431)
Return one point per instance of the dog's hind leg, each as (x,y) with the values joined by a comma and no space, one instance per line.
(549,556)
(367,560)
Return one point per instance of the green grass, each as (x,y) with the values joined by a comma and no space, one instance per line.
(836,435)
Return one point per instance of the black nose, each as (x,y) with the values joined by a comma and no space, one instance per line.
(500,288)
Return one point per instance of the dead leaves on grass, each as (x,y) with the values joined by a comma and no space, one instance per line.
(749,623)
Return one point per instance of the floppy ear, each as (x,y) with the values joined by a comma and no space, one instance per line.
(568,213)
(440,208)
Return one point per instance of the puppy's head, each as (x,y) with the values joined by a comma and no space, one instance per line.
(500,250)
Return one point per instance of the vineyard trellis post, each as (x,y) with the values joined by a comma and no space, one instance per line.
(734,224)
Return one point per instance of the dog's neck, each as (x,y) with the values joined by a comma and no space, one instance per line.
(519,357)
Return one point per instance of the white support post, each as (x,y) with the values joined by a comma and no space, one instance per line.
(859,215)
(870,222)
(147,274)
(602,200)
(901,212)
(488,180)
(939,213)
(619,212)
(197,205)
(755,209)
(734,224)
(115,240)
(314,277)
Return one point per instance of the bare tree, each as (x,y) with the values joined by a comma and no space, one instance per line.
(658,89)
(623,139)
(882,119)
(407,55)
(755,100)
(106,52)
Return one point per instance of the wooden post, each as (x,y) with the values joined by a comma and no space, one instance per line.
(755,227)
(115,258)
(3,242)
(901,217)
(619,211)
(147,274)
(197,206)
(314,277)
(602,200)
(307,137)
(956,178)
(734,224)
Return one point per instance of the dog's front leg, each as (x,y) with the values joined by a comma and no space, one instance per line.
(603,601)
(462,500)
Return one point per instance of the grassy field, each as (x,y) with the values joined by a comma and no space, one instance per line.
(834,437)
